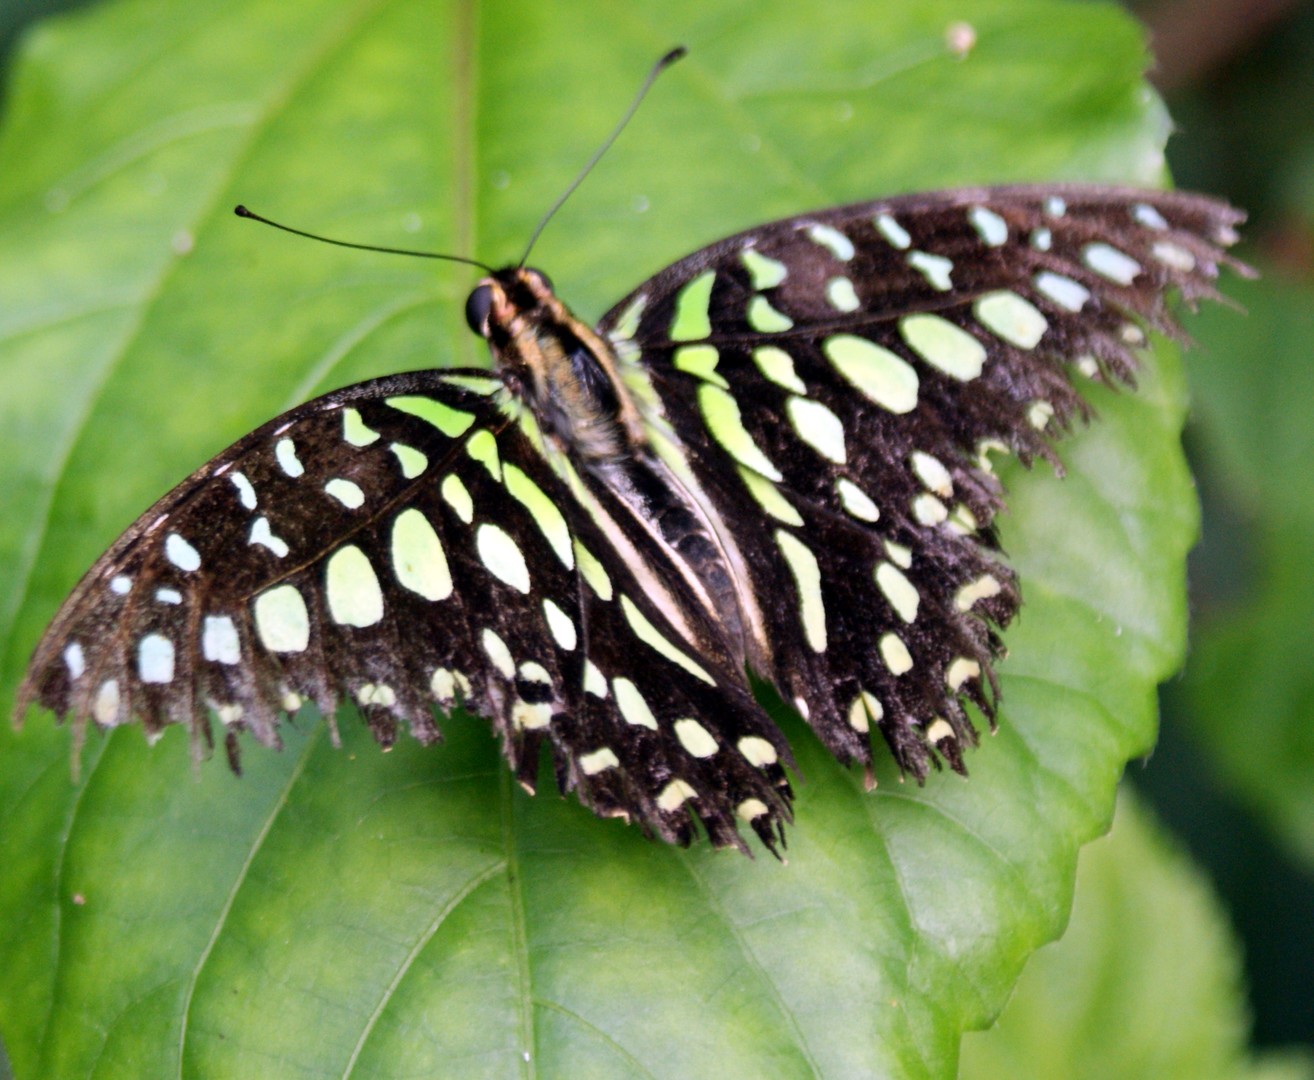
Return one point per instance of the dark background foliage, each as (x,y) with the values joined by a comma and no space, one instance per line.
(1233,774)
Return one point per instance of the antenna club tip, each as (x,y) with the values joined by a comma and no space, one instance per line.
(677,53)
(242,211)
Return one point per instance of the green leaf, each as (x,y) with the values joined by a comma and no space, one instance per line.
(1145,982)
(1249,687)
(346,912)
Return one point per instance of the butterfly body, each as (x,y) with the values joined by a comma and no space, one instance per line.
(772,457)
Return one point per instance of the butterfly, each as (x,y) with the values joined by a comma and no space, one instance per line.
(773,459)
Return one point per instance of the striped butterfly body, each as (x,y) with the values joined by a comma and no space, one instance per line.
(775,457)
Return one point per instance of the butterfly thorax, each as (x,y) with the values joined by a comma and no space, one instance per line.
(569,378)
(557,366)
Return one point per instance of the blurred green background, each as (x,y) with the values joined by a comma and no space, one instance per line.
(1233,775)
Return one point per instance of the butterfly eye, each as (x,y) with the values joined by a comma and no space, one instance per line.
(477,309)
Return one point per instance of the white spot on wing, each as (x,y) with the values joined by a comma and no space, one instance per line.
(285,451)
(219,640)
(155,657)
(807,578)
(499,654)
(634,709)
(1174,256)
(262,534)
(352,587)
(245,492)
(346,492)
(989,226)
(75,659)
(282,620)
(931,472)
(1066,293)
(674,795)
(1147,215)
(880,375)
(895,234)
(778,366)
(595,682)
(457,496)
(960,671)
(561,625)
(934,268)
(828,237)
(898,590)
(380,694)
(944,345)
(983,588)
(105,709)
(598,761)
(757,751)
(1011,317)
(179,552)
(502,556)
(695,738)
(1110,263)
(895,654)
(817,426)
(418,558)
(750,809)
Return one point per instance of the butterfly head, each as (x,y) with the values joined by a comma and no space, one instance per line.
(505,302)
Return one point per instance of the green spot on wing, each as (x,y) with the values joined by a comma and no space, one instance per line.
(544,512)
(627,325)
(451,422)
(765,272)
(692,309)
(418,557)
(593,571)
(412,461)
(765,319)
(700,360)
(721,413)
(769,498)
(943,345)
(482,446)
(354,429)
(352,587)
(882,376)
(1011,317)
(476,384)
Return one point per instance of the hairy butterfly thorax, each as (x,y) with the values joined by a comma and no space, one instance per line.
(569,379)
(774,458)
(558,366)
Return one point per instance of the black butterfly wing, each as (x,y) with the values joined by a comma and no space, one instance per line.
(839,381)
(402,544)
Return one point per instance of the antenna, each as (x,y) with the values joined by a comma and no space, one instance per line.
(243,212)
(666,61)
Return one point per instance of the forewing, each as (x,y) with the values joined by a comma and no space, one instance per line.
(838,382)
(402,544)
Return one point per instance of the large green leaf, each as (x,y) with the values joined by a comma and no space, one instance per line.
(345,912)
